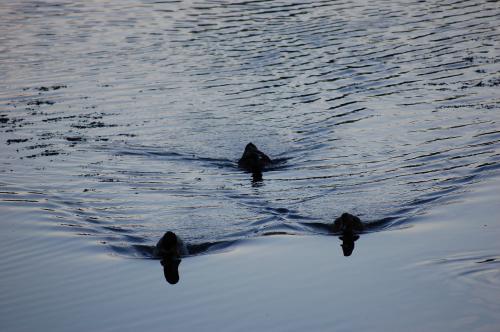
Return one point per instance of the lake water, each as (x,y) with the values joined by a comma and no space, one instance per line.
(120,120)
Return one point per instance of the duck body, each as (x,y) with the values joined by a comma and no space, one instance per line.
(253,160)
(170,246)
(347,224)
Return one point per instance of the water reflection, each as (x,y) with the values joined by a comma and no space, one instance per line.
(348,239)
(257,180)
(171,269)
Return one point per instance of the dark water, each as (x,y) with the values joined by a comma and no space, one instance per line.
(120,120)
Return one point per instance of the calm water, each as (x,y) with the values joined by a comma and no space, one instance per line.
(120,120)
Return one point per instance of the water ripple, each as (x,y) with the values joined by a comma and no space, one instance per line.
(127,120)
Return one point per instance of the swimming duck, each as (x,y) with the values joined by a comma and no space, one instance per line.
(253,160)
(347,223)
(170,246)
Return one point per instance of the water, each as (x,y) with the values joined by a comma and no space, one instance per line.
(121,120)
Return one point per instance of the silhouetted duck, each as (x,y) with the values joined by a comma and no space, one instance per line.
(170,246)
(347,223)
(170,249)
(253,160)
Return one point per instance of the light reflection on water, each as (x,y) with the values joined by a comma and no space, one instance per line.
(126,120)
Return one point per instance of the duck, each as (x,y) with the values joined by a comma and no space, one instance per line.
(170,246)
(253,160)
(347,223)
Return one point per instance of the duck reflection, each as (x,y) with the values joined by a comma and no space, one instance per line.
(170,248)
(171,269)
(257,180)
(348,239)
(348,226)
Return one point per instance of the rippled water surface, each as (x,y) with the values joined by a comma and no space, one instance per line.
(122,119)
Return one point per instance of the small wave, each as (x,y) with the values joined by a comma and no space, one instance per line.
(379,109)
(471,270)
